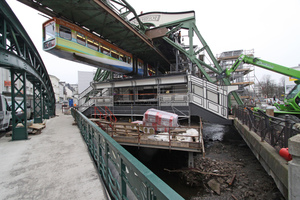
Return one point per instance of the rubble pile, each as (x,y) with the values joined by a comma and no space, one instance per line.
(230,172)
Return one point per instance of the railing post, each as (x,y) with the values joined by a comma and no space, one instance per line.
(243,114)
(251,119)
(287,130)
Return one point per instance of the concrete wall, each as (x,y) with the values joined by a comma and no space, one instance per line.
(84,79)
(269,158)
(55,85)
(294,168)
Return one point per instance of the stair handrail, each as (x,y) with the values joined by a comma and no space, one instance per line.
(85,92)
(111,116)
(101,114)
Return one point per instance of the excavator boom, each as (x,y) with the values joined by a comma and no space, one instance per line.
(264,64)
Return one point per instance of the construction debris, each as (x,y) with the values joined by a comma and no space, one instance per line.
(214,185)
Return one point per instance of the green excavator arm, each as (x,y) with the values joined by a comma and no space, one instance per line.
(263,64)
(292,102)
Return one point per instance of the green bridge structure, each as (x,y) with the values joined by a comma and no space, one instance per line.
(19,55)
(123,175)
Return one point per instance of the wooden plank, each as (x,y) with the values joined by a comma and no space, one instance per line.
(37,126)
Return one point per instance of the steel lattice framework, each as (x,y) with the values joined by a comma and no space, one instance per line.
(19,55)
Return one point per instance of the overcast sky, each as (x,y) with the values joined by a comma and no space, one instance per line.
(270,27)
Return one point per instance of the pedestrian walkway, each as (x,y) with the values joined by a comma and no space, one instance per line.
(53,165)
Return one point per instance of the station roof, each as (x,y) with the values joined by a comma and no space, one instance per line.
(98,17)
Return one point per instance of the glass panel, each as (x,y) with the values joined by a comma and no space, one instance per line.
(122,57)
(293,92)
(140,65)
(129,60)
(49,31)
(80,38)
(93,44)
(105,50)
(65,33)
(213,96)
(115,54)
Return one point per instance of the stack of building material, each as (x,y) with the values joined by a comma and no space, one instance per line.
(160,120)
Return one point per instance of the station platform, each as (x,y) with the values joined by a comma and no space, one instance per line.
(52,165)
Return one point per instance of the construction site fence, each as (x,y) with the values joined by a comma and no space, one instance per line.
(124,176)
(274,130)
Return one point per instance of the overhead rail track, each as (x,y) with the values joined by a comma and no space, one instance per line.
(106,19)
(152,41)
(19,55)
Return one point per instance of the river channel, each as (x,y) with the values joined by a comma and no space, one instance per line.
(221,142)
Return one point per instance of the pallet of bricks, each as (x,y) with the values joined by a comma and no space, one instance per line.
(160,120)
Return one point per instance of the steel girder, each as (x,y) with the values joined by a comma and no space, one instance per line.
(37,103)
(207,69)
(19,122)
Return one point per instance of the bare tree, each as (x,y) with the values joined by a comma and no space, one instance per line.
(267,85)
(280,88)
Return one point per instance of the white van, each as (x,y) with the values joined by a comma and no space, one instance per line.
(5,114)
(19,111)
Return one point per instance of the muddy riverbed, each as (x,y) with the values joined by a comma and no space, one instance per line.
(229,170)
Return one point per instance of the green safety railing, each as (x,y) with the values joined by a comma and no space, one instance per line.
(124,176)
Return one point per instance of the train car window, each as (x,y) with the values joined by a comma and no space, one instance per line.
(80,39)
(93,44)
(115,54)
(140,65)
(49,31)
(129,60)
(122,57)
(65,32)
(105,50)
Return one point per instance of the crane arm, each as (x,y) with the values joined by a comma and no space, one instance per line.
(263,64)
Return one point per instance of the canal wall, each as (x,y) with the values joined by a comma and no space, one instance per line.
(269,158)
(294,167)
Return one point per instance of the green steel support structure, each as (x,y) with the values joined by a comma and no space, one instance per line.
(19,55)
(19,123)
(37,103)
(46,104)
(191,54)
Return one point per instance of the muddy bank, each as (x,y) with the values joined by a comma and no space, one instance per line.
(231,171)
(229,168)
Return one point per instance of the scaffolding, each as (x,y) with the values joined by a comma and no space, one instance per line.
(244,75)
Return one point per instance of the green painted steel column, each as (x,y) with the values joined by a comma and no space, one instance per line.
(19,119)
(37,103)
(46,104)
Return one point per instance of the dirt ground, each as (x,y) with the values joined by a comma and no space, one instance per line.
(230,171)
(229,167)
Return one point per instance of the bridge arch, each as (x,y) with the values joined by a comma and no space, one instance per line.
(19,55)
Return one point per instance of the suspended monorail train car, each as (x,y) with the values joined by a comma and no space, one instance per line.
(69,41)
